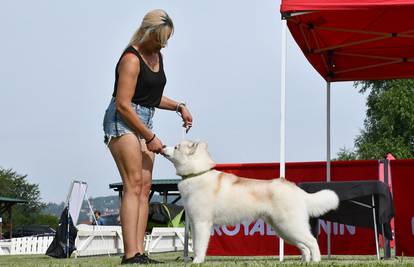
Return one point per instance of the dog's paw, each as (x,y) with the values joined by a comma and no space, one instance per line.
(198,260)
(316,259)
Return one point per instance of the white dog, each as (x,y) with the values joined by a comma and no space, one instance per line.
(214,197)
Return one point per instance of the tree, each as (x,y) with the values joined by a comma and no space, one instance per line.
(16,186)
(389,122)
(47,219)
(346,154)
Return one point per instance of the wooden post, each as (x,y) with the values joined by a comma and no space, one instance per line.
(1,227)
(165,196)
(9,209)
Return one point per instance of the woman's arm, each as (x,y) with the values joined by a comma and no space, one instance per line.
(128,70)
(169,104)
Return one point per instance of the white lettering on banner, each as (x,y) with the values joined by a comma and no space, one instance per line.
(412,225)
(259,227)
(269,230)
(337,228)
(262,228)
(216,228)
(246,227)
(231,232)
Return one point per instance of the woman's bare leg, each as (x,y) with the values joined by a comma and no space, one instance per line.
(147,166)
(126,151)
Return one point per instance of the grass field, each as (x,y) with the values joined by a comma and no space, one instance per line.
(175,259)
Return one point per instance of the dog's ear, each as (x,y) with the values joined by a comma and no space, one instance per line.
(203,145)
(193,147)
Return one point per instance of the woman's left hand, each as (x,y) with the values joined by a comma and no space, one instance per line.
(187,118)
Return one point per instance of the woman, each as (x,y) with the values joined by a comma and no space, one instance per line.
(139,85)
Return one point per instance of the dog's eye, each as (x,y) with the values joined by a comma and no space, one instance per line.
(176,147)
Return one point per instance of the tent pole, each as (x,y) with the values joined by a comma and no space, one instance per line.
(328,155)
(9,211)
(283,101)
(282,116)
(328,131)
(387,245)
(67,232)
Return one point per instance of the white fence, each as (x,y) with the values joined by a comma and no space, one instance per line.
(101,240)
(164,239)
(98,240)
(25,245)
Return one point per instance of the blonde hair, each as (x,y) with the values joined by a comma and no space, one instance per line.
(155,22)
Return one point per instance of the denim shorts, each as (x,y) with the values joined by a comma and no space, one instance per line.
(115,126)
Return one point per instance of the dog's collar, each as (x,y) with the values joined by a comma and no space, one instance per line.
(195,174)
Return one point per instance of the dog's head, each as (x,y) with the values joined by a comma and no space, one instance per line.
(189,157)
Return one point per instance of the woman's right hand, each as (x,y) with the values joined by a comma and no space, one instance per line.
(155,145)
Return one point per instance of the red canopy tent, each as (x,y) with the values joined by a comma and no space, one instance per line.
(354,40)
(348,40)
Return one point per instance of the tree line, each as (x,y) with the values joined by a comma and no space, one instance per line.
(389,121)
(15,185)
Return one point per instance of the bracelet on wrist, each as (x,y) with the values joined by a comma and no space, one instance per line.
(149,141)
(177,108)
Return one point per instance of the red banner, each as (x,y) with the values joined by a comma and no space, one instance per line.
(403,186)
(258,238)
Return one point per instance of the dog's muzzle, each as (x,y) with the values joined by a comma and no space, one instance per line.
(168,152)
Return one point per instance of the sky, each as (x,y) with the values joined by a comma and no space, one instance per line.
(57,73)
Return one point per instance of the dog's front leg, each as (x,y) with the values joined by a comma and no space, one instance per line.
(202,236)
(193,238)
(306,256)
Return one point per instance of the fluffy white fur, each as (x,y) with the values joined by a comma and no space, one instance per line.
(213,197)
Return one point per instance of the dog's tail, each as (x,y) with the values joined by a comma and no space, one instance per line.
(321,202)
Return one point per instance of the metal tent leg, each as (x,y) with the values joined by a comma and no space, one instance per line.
(375,227)
(328,156)
(283,118)
(387,245)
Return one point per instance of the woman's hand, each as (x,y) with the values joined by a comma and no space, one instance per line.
(187,118)
(155,145)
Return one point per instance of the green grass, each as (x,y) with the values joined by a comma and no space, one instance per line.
(175,259)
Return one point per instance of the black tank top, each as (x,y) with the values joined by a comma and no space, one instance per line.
(150,85)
